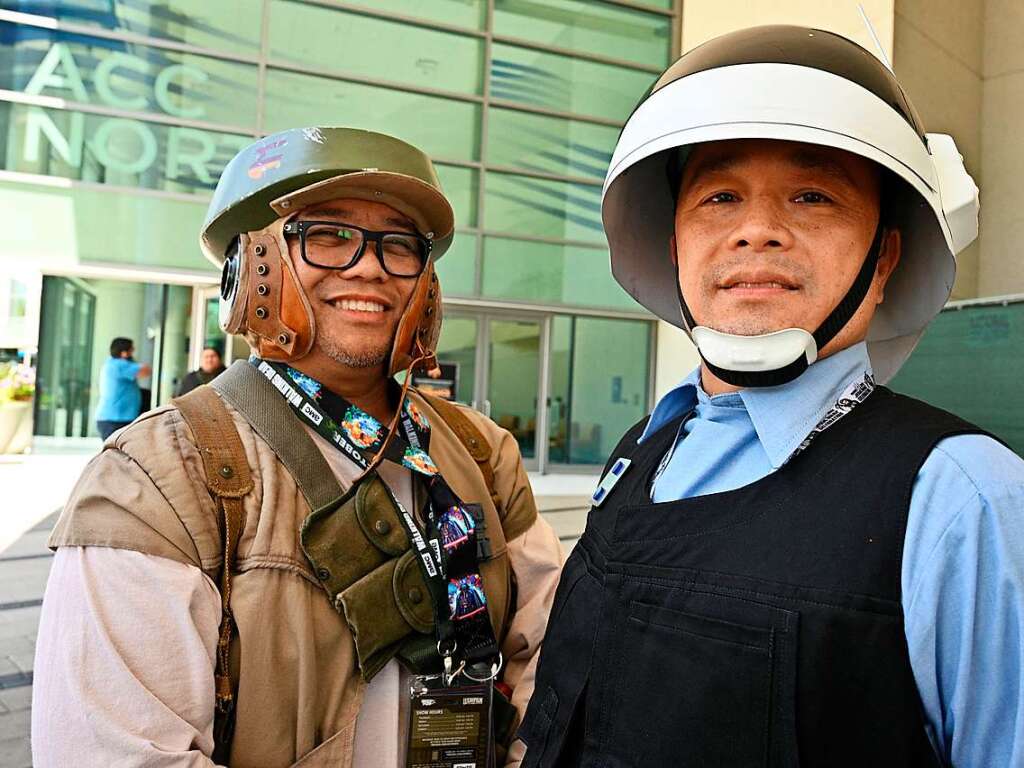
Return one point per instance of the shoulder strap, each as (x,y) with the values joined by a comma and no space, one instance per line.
(251,394)
(229,480)
(470,437)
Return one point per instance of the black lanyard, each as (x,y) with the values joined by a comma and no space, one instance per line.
(447,548)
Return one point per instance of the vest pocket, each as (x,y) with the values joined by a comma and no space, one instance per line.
(693,690)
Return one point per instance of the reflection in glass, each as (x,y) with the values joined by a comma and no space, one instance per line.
(543,208)
(549,144)
(551,273)
(114,150)
(340,41)
(565,84)
(442,128)
(127,76)
(513,375)
(457,346)
(588,27)
(461,187)
(220,26)
(457,268)
(599,385)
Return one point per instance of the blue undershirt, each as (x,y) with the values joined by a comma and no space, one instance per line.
(963,559)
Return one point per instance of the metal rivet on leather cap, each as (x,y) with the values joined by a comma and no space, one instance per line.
(261,312)
(415,595)
(323,574)
(262,269)
(259,250)
(383,527)
(283,338)
(226,471)
(262,289)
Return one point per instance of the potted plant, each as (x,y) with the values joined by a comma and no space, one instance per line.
(17,386)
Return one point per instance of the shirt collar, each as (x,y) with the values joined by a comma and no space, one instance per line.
(782,416)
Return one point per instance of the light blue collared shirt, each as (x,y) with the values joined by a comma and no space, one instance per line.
(963,559)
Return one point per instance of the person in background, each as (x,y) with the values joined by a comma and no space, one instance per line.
(211,365)
(120,396)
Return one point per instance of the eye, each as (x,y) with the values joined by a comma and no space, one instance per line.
(722,197)
(812,197)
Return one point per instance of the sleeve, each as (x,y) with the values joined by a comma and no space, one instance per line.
(963,599)
(536,558)
(130,369)
(124,667)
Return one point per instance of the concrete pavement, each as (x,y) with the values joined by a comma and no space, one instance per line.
(35,489)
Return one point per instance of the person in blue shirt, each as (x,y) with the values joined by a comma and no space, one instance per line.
(787,563)
(120,398)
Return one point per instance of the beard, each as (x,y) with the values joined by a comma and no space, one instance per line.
(353,353)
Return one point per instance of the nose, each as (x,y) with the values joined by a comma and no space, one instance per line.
(368,267)
(761,227)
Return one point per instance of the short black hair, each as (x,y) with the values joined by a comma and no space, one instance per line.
(213,348)
(119,345)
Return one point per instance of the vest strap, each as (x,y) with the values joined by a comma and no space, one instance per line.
(228,479)
(249,392)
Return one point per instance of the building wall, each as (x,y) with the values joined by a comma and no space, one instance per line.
(938,57)
(1001,266)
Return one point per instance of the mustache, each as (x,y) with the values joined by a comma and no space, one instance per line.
(721,270)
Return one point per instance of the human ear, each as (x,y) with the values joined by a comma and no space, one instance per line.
(888,260)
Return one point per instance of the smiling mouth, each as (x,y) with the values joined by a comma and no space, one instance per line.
(766,285)
(358,305)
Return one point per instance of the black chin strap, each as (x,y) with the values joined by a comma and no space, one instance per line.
(827,331)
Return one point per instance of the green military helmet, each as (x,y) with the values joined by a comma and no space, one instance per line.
(289,170)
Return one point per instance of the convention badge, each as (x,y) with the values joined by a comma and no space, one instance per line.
(449,725)
(608,481)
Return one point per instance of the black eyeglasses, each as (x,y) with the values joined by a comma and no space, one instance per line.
(336,245)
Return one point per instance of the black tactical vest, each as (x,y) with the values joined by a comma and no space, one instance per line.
(756,627)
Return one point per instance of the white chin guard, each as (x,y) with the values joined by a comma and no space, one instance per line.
(755,354)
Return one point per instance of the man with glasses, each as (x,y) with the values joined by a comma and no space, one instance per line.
(305,560)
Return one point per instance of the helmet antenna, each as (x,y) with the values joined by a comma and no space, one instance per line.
(874,37)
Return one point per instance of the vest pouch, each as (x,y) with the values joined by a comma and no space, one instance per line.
(697,678)
(383,607)
(552,728)
(353,535)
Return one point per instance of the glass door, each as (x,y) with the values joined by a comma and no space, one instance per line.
(512,380)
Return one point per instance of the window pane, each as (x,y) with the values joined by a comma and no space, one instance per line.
(440,127)
(566,84)
(457,346)
(114,150)
(228,27)
(542,208)
(65,227)
(471,14)
(461,186)
(590,413)
(126,76)
(551,274)
(549,144)
(315,36)
(588,27)
(457,268)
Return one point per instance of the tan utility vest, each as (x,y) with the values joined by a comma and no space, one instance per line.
(294,660)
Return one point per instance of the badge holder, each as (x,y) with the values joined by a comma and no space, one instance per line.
(450,718)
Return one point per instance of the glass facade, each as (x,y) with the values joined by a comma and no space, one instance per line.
(116,119)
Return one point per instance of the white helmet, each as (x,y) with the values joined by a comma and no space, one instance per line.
(796,84)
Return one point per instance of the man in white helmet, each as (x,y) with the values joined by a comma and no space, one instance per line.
(788,564)
(303,562)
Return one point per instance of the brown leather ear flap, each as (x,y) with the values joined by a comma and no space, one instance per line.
(420,326)
(279,321)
